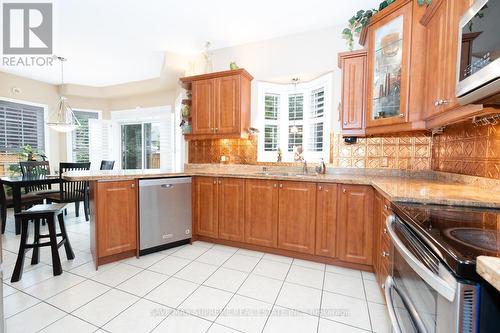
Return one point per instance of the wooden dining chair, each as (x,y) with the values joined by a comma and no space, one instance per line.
(6,201)
(36,169)
(107,165)
(71,191)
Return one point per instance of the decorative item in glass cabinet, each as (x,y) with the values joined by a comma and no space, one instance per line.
(386,86)
(186,112)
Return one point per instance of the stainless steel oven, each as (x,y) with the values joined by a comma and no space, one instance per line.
(422,294)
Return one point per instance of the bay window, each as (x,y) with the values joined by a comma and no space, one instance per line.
(293,115)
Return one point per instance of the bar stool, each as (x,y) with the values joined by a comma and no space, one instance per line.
(49,213)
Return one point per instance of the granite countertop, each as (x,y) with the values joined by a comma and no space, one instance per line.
(489,269)
(396,186)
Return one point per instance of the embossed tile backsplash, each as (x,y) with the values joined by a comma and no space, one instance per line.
(469,150)
(405,151)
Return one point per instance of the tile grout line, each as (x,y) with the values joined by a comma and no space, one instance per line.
(278,295)
(199,285)
(321,299)
(235,293)
(367,307)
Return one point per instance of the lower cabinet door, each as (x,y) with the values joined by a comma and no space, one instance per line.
(326,220)
(117,216)
(231,209)
(297,216)
(261,212)
(205,207)
(355,219)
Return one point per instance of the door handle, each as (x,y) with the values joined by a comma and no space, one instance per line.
(167,186)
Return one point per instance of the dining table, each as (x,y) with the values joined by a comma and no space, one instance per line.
(19,182)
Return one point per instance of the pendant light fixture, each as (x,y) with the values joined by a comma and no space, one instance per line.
(66,120)
(295,81)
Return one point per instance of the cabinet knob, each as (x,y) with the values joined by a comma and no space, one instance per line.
(382,286)
(320,188)
(215,181)
(384,231)
(345,122)
(437,102)
(132,185)
(343,190)
(445,101)
(216,129)
(275,185)
(220,182)
(385,254)
(401,115)
(385,207)
(281,185)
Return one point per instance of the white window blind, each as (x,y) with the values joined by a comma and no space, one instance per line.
(21,125)
(80,137)
(271,120)
(316,132)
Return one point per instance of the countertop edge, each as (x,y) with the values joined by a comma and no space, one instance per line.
(489,269)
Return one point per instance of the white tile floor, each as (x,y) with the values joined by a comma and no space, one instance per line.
(194,288)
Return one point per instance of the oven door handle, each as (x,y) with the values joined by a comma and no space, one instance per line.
(415,317)
(444,288)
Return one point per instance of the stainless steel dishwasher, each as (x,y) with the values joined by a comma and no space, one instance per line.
(164,213)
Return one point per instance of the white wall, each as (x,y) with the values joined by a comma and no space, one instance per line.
(305,55)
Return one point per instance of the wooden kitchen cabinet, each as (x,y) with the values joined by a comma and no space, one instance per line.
(381,241)
(396,68)
(261,212)
(203,121)
(326,220)
(355,224)
(205,207)
(231,202)
(353,97)
(297,216)
(442,23)
(114,220)
(220,104)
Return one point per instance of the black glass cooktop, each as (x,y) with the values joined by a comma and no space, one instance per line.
(458,235)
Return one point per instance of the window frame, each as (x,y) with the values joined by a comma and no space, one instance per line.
(69,135)
(286,90)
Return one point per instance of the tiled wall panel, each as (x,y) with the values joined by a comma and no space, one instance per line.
(469,150)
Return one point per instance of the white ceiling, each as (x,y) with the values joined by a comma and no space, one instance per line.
(115,41)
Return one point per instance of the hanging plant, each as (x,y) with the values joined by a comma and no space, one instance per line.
(424,2)
(362,18)
(356,24)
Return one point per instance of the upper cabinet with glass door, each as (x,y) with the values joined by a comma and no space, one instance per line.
(395,60)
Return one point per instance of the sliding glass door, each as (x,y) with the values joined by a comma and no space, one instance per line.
(140,146)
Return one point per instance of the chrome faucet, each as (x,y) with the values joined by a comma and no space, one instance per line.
(304,167)
(321,169)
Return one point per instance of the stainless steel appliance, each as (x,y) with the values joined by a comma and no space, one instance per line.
(478,67)
(164,213)
(434,286)
(2,319)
